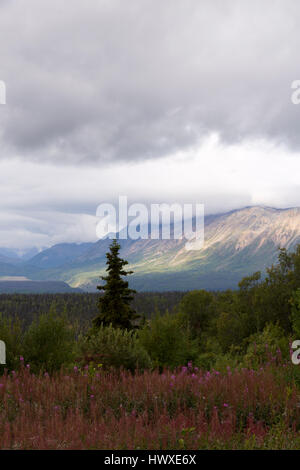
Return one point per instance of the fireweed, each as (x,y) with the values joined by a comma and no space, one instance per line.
(183,409)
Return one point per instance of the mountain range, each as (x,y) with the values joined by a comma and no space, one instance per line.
(237,244)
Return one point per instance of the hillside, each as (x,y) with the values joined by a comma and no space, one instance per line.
(236,244)
(35,287)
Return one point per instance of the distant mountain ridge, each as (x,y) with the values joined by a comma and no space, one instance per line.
(59,254)
(36,287)
(237,243)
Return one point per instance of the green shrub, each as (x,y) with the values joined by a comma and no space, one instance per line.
(268,345)
(114,347)
(49,343)
(168,341)
(295,315)
(231,330)
(197,308)
(206,361)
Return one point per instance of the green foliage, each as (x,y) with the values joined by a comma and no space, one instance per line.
(197,308)
(49,343)
(81,307)
(211,329)
(229,329)
(272,302)
(206,360)
(168,340)
(11,334)
(269,345)
(114,347)
(115,305)
(295,315)
(260,302)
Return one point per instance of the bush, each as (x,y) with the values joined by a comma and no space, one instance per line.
(295,316)
(49,343)
(114,347)
(230,328)
(168,341)
(267,346)
(198,308)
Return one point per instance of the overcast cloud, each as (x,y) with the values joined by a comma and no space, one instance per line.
(160,100)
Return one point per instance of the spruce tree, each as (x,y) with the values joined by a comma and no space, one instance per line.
(115,303)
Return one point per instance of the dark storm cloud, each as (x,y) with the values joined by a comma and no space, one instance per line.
(107,80)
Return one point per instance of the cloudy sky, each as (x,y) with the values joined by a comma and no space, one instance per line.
(159,100)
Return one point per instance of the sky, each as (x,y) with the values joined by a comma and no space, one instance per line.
(161,101)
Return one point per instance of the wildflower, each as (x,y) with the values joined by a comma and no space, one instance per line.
(21,358)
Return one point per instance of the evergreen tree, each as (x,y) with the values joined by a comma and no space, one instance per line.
(115,303)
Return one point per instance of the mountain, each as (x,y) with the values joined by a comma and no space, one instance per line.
(59,255)
(237,244)
(16,255)
(7,260)
(35,287)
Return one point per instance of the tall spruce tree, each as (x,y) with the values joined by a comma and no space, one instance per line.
(115,303)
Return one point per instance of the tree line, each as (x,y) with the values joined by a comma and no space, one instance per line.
(247,326)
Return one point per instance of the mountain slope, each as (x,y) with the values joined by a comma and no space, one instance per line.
(59,255)
(35,287)
(236,244)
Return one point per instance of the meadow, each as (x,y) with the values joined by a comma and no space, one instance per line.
(89,408)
